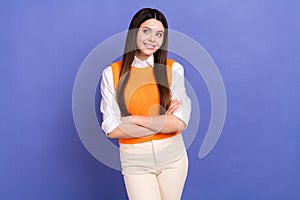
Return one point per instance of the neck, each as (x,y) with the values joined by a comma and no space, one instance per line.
(141,57)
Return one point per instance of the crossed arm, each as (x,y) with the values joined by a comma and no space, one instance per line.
(175,119)
(142,126)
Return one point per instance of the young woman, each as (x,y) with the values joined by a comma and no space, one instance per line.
(145,106)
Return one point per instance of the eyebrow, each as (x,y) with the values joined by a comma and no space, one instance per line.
(151,29)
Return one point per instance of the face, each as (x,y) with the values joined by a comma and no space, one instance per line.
(149,38)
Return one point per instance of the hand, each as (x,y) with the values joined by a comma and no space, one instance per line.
(174,106)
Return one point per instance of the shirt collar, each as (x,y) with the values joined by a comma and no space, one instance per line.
(143,63)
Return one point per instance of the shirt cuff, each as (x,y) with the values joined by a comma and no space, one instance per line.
(109,125)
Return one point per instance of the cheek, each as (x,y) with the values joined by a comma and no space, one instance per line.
(139,41)
(140,37)
(159,42)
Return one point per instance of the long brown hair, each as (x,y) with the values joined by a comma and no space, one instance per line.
(160,59)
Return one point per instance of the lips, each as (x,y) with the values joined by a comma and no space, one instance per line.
(149,46)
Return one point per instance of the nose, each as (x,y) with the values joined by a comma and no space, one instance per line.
(151,37)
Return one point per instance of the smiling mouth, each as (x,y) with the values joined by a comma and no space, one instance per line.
(149,46)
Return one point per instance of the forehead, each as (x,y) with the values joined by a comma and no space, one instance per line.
(153,24)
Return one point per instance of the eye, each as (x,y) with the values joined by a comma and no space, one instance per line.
(159,34)
(146,31)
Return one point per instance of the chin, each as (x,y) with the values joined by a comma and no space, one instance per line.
(148,52)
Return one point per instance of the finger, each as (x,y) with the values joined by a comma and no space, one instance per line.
(173,109)
(175,104)
(174,101)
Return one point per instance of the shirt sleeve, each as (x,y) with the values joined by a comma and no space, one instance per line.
(109,106)
(179,92)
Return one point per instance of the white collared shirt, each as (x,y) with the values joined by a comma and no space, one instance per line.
(109,106)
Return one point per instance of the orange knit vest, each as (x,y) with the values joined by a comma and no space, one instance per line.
(142,96)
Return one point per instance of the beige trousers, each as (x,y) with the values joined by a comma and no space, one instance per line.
(155,170)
